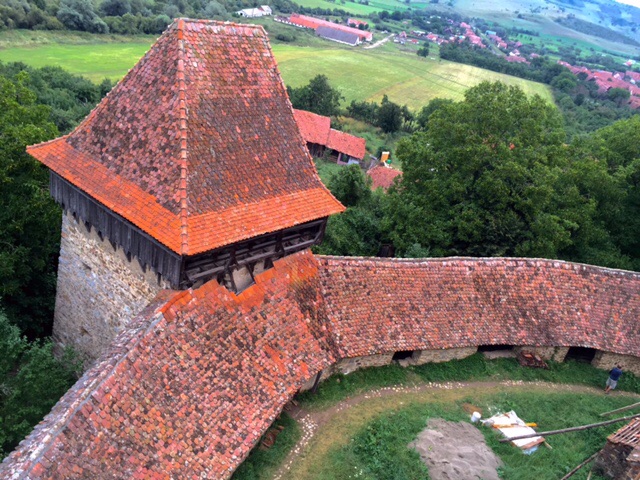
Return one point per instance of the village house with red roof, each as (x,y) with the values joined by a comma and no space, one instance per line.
(608,80)
(317,132)
(188,284)
(382,176)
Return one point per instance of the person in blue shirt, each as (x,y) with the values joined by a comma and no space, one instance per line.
(614,376)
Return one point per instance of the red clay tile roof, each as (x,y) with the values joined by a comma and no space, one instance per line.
(345,143)
(314,128)
(190,388)
(385,305)
(200,127)
(317,129)
(382,177)
(312,22)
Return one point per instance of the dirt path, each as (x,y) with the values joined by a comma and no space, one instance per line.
(313,421)
(379,42)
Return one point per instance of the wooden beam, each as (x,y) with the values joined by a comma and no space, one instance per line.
(623,409)
(572,429)
(575,470)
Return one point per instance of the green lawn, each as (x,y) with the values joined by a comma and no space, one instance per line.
(371,436)
(93,56)
(359,74)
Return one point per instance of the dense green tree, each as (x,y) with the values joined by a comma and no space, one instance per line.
(80,15)
(115,8)
(481,180)
(359,230)
(350,185)
(428,109)
(318,97)
(619,147)
(32,380)
(364,111)
(29,219)
(389,116)
(618,95)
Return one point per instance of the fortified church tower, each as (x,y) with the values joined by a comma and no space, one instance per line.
(191,169)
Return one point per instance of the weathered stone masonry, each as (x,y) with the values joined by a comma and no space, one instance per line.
(99,290)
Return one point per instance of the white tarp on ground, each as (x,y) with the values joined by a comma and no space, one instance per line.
(515,427)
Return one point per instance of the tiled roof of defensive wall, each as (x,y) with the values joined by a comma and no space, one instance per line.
(378,305)
(188,390)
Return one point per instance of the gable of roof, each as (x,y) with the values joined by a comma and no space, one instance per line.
(189,389)
(200,130)
(382,177)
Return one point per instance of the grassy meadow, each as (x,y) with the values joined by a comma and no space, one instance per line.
(359,74)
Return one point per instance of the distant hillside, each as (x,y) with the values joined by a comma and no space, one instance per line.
(596,30)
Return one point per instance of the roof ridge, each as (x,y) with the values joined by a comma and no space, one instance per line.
(179,24)
(182,111)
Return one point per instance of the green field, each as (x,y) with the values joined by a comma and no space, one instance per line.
(359,74)
(406,79)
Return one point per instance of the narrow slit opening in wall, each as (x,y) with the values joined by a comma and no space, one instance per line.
(581,354)
(403,355)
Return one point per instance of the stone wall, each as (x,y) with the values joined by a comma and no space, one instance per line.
(99,290)
(444,355)
(606,361)
(348,365)
(556,354)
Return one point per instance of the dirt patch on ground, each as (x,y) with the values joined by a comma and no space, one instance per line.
(455,451)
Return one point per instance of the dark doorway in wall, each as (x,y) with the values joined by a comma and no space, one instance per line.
(581,354)
(403,355)
(495,348)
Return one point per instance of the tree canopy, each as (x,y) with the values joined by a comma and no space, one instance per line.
(317,97)
(29,219)
(492,176)
(31,382)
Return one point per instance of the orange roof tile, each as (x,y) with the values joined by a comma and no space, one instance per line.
(312,22)
(345,143)
(317,129)
(382,177)
(379,305)
(314,128)
(190,388)
(200,127)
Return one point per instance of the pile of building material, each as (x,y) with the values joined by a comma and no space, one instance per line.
(511,426)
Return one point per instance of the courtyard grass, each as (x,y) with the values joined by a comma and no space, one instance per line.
(262,463)
(370,438)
